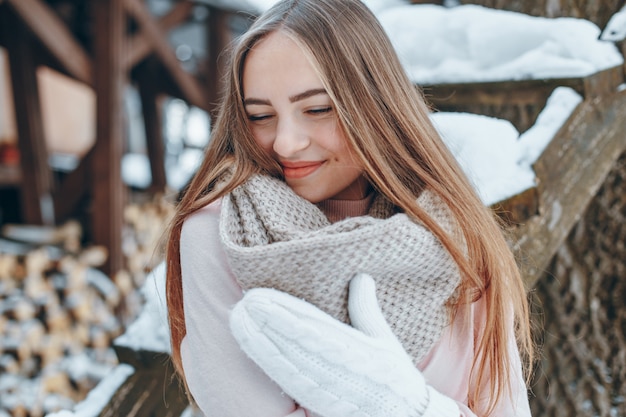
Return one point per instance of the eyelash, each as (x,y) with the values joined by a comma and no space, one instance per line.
(258,118)
(317,111)
(320,110)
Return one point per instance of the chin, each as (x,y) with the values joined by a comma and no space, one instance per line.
(313,198)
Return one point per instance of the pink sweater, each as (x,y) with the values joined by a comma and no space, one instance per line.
(225,383)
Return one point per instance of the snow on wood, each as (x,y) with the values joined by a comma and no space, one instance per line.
(615,30)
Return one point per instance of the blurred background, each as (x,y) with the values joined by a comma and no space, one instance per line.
(106,109)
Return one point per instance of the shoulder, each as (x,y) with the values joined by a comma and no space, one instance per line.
(200,225)
(201,248)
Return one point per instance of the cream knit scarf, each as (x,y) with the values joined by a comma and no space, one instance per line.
(276,239)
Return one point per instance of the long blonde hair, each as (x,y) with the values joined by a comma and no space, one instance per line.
(386,124)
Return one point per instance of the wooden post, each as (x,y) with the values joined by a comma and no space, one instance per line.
(37,183)
(148,90)
(218,37)
(109,80)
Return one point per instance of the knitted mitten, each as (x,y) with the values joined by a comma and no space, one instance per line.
(329,367)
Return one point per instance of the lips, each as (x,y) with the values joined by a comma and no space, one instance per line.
(295,170)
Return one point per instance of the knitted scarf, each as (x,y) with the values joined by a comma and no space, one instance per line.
(273,238)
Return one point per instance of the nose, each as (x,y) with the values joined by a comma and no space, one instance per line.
(291,138)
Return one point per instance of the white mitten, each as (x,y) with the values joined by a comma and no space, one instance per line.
(329,367)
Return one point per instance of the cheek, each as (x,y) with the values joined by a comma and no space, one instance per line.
(263,138)
(332,138)
(342,151)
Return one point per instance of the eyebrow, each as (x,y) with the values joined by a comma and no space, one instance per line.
(298,97)
(307,94)
(250,101)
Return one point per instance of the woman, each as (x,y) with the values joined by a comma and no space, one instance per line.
(324,166)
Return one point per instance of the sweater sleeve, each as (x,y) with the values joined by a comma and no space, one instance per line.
(221,378)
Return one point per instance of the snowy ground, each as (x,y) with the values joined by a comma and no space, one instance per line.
(437,45)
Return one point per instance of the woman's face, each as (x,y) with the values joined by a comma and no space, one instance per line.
(293,119)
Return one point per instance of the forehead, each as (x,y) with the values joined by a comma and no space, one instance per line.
(277,62)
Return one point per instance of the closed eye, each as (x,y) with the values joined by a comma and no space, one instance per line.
(320,110)
(258,118)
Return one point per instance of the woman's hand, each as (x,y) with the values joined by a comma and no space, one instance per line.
(329,367)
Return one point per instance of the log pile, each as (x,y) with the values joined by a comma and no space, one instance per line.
(59,314)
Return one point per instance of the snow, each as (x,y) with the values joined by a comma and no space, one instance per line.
(474,139)
(558,109)
(472,43)
(615,29)
(437,45)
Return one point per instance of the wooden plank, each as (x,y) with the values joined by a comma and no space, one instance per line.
(570,171)
(37,181)
(106,181)
(53,33)
(603,82)
(520,102)
(518,208)
(188,85)
(152,391)
(139,359)
(139,46)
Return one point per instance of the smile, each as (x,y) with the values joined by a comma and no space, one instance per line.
(295,170)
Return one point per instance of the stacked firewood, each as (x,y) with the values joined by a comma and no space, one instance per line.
(59,314)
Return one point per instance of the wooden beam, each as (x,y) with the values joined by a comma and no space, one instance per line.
(570,172)
(189,86)
(106,179)
(37,182)
(139,46)
(53,33)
